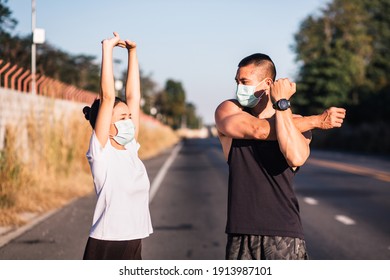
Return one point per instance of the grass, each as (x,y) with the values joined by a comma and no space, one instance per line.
(154,139)
(43,164)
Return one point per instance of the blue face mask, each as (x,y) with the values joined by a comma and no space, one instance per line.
(246,95)
(126,131)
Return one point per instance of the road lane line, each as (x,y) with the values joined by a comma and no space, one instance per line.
(345,220)
(364,171)
(310,201)
(163,171)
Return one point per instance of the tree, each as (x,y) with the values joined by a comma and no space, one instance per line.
(192,120)
(173,109)
(149,92)
(175,97)
(7,22)
(12,48)
(335,51)
(345,59)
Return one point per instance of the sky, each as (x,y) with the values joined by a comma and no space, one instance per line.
(198,43)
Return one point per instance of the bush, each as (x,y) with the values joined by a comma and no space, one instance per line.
(370,138)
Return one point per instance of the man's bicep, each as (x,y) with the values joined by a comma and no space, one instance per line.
(226,117)
(234,126)
(233,122)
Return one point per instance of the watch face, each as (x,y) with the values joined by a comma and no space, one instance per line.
(283,104)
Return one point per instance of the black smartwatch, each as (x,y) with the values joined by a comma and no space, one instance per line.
(281,105)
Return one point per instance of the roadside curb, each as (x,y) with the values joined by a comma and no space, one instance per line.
(15,232)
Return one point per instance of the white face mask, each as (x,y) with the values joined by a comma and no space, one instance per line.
(246,95)
(126,131)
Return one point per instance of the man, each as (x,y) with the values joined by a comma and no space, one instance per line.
(264,144)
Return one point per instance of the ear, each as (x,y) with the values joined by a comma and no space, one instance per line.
(269,81)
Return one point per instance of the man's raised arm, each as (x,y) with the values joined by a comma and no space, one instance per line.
(233,122)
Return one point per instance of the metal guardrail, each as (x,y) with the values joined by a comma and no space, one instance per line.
(17,78)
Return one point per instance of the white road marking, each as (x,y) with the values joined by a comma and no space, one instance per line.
(310,200)
(345,220)
(163,171)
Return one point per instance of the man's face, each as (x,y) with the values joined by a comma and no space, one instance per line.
(249,76)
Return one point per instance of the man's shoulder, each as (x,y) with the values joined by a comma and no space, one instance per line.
(230,104)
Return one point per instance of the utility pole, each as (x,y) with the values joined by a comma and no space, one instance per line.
(38,37)
(33,49)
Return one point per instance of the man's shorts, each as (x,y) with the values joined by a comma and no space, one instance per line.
(260,247)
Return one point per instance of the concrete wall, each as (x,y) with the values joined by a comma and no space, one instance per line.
(16,107)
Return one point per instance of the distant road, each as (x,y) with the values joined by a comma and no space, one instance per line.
(344,199)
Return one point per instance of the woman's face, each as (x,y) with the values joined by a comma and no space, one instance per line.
(120,112)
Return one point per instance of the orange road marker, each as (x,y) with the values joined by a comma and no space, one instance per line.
(364,171)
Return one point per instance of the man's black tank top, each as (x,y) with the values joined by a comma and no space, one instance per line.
(261,199)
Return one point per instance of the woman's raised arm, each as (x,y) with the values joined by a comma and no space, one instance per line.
(133,90)
(107,90)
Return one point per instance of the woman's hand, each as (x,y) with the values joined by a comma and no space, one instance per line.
(129,45)
(112,42)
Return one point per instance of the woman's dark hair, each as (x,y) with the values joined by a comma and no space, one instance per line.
(91,113)
(260,59)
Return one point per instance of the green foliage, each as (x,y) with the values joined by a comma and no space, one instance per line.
(170,103)
(6,21)
(176,97)
(78,70)
(193,121)
(344,58)
(148,91)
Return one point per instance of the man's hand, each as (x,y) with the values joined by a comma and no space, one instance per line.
(282,88)
(331,118)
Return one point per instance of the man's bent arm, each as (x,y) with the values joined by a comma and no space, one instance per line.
(233,122)
(292,143)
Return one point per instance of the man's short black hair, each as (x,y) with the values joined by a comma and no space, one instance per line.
(260,59)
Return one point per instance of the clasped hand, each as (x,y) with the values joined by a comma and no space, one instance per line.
(282,88)
(116,41)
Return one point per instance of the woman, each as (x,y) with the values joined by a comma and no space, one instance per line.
(121,218)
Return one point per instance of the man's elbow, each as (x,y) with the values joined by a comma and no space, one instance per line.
(259,133)
(296,162)
(298,159)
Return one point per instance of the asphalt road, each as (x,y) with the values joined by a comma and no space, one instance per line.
(344,199)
